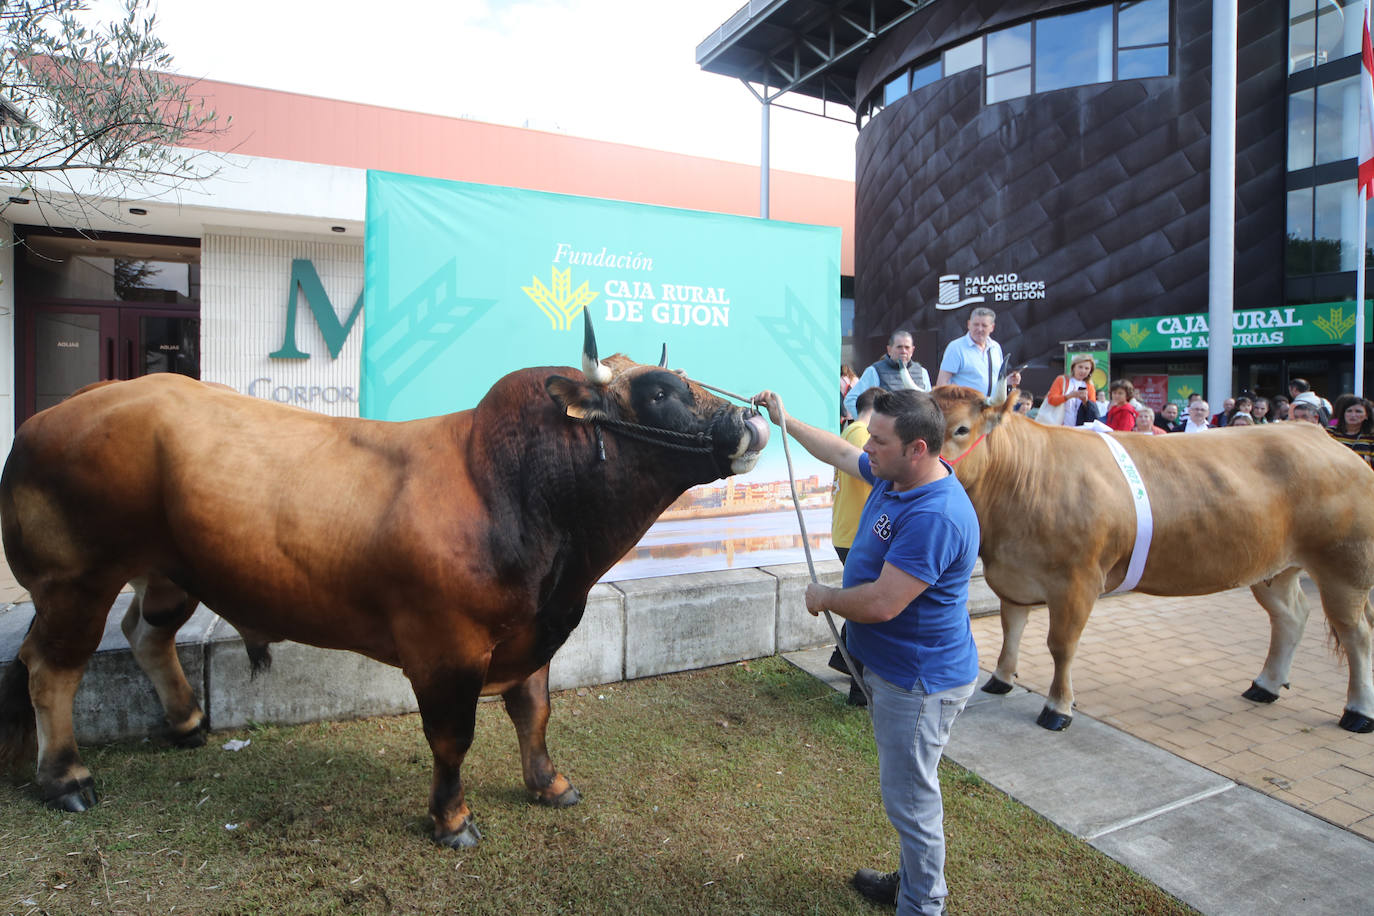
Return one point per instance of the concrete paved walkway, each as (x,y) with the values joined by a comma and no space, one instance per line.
(1233,807)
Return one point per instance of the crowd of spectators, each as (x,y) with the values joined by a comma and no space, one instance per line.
(1350,420)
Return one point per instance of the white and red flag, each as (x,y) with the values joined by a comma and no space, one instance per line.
(1367,111)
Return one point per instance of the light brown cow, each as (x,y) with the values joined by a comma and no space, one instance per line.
(1059,524)
(460,548)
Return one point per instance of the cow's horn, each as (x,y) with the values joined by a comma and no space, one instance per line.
(663,360)
(999,393)
(592,368)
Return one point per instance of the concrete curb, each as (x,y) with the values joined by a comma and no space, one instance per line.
(631,629)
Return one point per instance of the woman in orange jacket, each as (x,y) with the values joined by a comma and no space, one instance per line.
(1073,389)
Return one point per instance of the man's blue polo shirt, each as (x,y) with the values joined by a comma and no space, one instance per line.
(968,365)
(930,532)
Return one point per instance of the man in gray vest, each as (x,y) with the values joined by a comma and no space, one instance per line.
(895,371)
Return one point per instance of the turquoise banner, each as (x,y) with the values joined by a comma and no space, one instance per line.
(467,282)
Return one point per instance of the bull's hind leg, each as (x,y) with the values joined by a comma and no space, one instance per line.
(1348,613)
(158,610)
(1282,598)
(68,622)
(1013,624)
(527,704)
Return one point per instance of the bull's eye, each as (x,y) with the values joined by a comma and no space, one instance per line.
(961,431)
(659,395)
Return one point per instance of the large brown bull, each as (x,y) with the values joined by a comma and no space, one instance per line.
(1059,524)
(460,548)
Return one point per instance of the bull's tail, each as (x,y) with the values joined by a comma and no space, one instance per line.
(18,728)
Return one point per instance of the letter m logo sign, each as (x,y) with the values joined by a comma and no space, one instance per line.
(305,280)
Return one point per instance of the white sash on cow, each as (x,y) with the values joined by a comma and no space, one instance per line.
(1144,519)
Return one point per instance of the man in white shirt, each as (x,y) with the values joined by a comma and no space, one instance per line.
(975,359)
(1197,417)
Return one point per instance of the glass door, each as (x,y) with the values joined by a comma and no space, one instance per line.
(159,341)
(70,347)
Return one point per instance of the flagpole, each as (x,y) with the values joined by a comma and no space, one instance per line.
(1359,296)
(1364,187)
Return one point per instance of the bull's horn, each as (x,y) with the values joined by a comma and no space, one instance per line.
(592,368)
(663,360)
(999,393)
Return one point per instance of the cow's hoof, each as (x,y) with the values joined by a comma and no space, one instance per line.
(996,685)
(193,738)
(1258,694)
(80,798)
(567,799)
(465,837)
(1054,721)
(1356,722)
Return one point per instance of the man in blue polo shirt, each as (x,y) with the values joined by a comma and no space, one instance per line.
(975,359)
(905,596)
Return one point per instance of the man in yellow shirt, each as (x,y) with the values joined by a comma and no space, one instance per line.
(850,495)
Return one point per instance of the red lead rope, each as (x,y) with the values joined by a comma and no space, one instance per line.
(969,449)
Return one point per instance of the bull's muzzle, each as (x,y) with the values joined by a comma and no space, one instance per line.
(753,438)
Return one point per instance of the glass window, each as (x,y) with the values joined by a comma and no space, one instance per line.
(1302,35)
(1009,49)
(924,76)
(1143,23)
(1009,85)
(1338,120)
(1335,226)
(1138,63)
(895,88)
(1301,118)
(1340,28)
(1074,49)
(969,54)
(1298,250)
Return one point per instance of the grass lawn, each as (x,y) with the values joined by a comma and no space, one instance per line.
(745,789)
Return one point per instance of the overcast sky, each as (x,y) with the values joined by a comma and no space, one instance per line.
(621,70)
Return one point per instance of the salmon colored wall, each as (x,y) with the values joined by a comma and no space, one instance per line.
(285,125)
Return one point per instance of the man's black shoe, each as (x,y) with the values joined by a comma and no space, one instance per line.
(876,886)
(856,694)
(836,662)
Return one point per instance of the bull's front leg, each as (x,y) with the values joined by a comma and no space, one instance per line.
(1068,615)
(448,711)
(1013,624)
(527,704)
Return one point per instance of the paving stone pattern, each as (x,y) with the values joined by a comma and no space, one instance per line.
(1171,671)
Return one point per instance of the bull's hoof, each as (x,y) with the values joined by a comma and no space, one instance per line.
(193,738)
(464,837)
(1258,694)
(81,797)
(1356,722)
(996,685)
(1054,721)
(565,800)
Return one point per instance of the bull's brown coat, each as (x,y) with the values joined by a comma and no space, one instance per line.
(1232,507)
(460,548)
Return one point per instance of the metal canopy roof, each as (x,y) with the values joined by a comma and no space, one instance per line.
(811,47)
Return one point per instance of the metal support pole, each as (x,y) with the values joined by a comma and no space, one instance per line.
(1222,247)
(1359,298)
(763,164)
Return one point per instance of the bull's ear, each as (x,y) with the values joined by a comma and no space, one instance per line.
(577,399)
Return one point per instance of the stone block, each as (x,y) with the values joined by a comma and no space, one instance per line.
(796,629)
(304,684)
(595,651)
(677,623)
(116,701)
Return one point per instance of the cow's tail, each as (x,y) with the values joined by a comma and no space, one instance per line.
(18,728)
